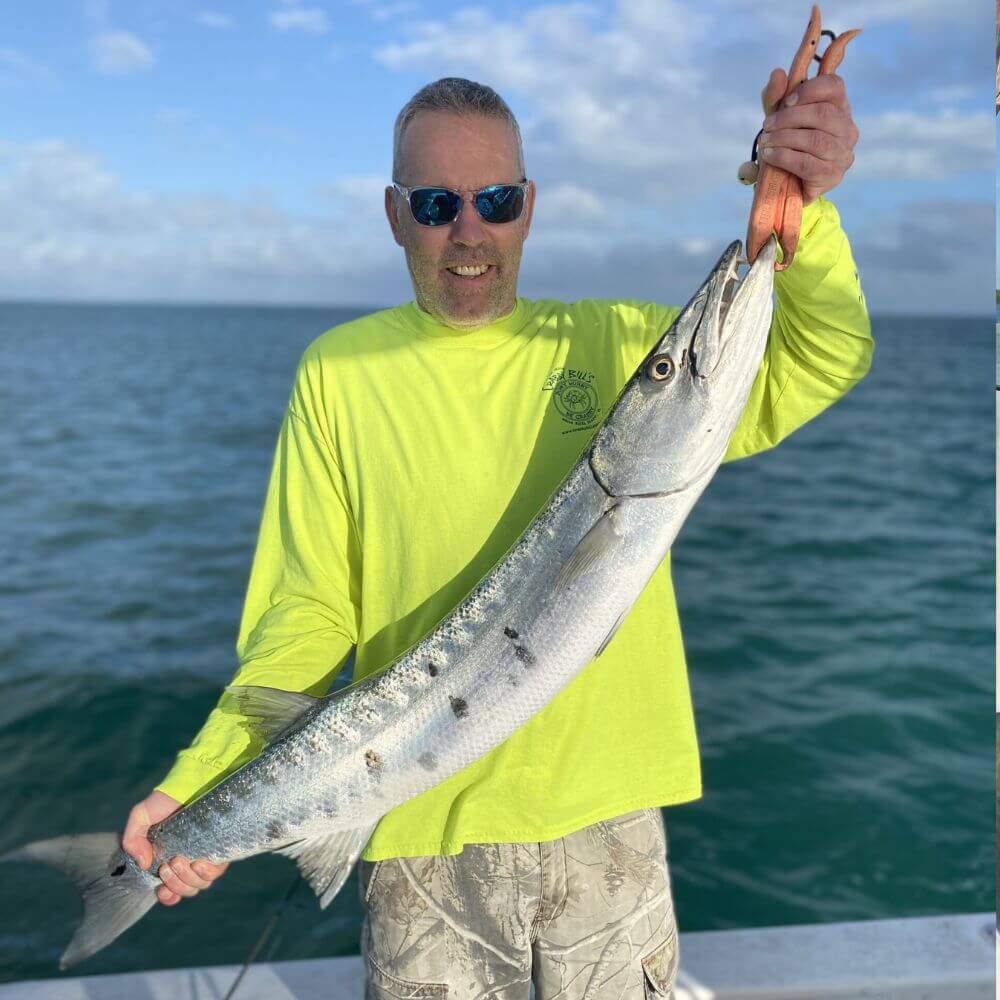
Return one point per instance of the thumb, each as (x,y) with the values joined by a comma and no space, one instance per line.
(134,838)
(774,90)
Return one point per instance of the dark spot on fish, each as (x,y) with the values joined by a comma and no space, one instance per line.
(432,670)
(525,655)
(275,830)
(372,760)
(330,809)
(427,761)
(510,633)
(459,706)
(119,870)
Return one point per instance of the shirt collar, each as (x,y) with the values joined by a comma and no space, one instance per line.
(492,335)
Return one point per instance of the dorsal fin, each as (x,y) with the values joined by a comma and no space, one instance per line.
(271,712)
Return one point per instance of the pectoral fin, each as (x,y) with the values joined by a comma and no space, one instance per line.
(327,860)
(597,543)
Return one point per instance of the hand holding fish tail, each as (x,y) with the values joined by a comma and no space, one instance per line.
(181,878)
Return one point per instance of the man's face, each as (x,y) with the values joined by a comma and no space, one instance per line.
(443,149)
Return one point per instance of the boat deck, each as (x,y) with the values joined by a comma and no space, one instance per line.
(921,958)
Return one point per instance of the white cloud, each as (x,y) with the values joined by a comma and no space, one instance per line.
(864,13)
(214,19)
(911,145)
(635,117)
(17,70)
(624,111)
(696,245)
(72,229)
(934,256)
(117,53)
(789,17)
(568,200)
(950,94)
(367,189)
(310,20)
(672,90)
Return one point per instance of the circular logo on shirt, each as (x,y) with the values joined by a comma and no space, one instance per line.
(574,395)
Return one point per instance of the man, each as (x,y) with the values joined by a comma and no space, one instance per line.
(418,444)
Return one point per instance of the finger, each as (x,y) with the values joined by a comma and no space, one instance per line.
(828,88)
(173,881)
(814,173)
(208,870)
(825,117)
(822,145)
(182,868)
(166,897)
(773,90)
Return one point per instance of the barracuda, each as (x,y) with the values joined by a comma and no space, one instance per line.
(334,766)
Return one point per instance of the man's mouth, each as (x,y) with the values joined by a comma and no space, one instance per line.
(471,274)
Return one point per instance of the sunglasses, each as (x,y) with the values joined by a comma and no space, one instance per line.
(438,206)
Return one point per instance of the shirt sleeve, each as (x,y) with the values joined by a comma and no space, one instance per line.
(302,608)
(820,341)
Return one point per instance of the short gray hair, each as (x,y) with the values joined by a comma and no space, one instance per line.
(453,93)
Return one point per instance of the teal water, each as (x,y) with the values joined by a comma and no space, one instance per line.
(836,596)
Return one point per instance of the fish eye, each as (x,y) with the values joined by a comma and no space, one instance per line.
(660,368)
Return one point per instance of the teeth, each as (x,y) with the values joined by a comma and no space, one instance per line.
(470,272)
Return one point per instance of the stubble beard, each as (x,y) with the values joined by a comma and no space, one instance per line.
(434,298)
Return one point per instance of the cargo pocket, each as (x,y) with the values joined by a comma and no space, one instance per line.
(660,968)
(382,986)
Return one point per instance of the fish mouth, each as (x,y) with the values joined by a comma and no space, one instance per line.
(726,294)
(712,317)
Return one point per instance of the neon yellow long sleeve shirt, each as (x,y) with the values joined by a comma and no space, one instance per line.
(412,456)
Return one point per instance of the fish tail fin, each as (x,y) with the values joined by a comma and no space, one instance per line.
(116,893)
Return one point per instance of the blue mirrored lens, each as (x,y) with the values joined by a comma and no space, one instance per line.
(435,206)
(500,203)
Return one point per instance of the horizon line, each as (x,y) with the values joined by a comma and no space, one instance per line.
(363,309)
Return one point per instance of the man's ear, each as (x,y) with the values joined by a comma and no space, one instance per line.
(390,213)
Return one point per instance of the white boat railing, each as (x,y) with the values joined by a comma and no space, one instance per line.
(920,958)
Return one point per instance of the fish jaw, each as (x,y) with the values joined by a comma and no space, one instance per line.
(746,309)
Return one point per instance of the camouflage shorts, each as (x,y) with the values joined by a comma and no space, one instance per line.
(586,917)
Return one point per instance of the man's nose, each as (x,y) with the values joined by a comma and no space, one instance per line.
(469,227)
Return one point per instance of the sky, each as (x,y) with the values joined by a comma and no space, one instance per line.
(237,153)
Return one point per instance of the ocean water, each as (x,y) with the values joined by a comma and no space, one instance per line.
(837,598)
